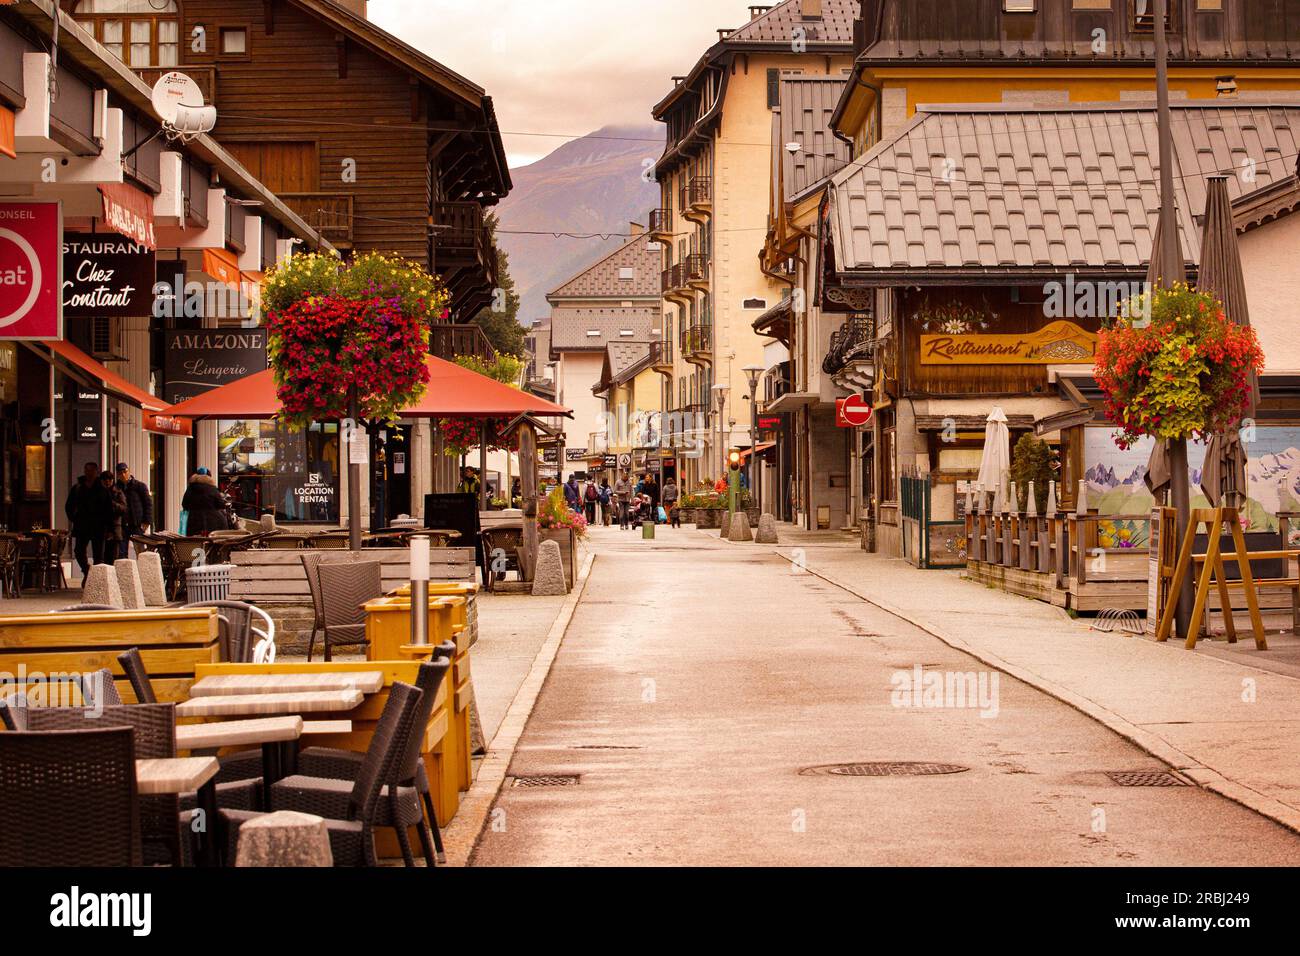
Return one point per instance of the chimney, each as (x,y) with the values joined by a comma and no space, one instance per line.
(354,6)
(635,229)
(812,9)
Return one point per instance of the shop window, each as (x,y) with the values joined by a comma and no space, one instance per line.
(266,467)
(142,33)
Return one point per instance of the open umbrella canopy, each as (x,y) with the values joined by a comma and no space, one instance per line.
(454,391)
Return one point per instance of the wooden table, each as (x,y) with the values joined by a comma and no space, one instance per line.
(230,685)
(236,733)
(183,775)
(263,705)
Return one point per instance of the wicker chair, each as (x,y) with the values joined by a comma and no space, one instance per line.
(310,563)
(344,589)
(10,579)
(154,726)
(68,798)
(500,543)
(55,579)
(13,711)
(335,764)
(101,679)
(241,642)
(34,560)
(357,802)
(133,667)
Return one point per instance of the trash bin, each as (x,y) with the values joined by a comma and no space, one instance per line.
(647,530)
(208,582)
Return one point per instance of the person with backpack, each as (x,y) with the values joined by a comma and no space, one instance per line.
(622,499)
(590,497)
(606,499)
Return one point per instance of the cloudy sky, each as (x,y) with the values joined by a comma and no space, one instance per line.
(562,66)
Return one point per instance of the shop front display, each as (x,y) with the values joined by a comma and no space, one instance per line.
(267,468)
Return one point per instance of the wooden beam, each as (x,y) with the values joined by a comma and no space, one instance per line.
(438,145)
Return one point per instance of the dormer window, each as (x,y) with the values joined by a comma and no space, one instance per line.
(627,273)
(141,33)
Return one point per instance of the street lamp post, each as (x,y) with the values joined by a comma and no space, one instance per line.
(752,372)
(720,398)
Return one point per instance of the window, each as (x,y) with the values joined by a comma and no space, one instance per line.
(142,33)
(265,467)
(627,272)
(1018,6)
(234,41)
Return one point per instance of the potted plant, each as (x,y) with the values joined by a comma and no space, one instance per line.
(557,522)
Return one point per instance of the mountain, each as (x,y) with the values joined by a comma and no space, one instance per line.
(588,185)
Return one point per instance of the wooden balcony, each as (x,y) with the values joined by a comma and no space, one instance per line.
(697,344)
(204,76)
(330,214)
(446,341)
(460,237)
(661,358)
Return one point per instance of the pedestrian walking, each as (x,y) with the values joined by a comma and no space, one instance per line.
(650,488)
(85,508)
(572,494)
(205,504)
(670,497)
(622,499)
(590,498)
(113,517)
(606,500)
(139,506)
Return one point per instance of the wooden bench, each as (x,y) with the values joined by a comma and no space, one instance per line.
(277,577)
(172,643)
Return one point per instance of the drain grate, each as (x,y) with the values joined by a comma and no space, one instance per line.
(883,769)
(546,780)
(1146,778)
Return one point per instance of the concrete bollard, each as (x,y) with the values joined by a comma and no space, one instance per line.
(767,530)
(284,838)
(101,586)
(128,582)
(548,577)
(740,530)
(148,568)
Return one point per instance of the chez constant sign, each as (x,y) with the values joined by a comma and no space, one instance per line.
(30,267)
(199,360)
(106,275)
(1060,343)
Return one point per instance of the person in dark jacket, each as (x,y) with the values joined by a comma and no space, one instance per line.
(571,494)
(84,509)
(113,522)
(206,506)
(139,506)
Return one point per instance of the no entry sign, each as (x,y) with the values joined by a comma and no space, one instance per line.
(31,258)
(852,412)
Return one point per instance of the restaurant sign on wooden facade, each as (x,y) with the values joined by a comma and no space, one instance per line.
(1060,343)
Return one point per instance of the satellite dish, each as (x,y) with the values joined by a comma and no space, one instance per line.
(178,101)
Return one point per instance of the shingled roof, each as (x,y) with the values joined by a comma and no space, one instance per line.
(603,278)
(995,191)
(572,328)
(804,117)
(778,25)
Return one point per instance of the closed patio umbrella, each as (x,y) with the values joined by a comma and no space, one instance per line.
(1220,275)
(996,460)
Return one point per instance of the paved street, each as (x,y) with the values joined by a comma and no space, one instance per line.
(697,678)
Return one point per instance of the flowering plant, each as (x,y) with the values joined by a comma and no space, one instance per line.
(461,435)
(333,327)
(1184,372)
(555,513)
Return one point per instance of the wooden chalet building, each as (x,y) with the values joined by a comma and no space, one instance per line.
(375,144)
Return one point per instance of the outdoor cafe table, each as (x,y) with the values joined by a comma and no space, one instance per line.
(265,705)
(277,735)
(183,775)
(224,685)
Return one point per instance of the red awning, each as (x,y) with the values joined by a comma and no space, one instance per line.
(453,391)
(112,383)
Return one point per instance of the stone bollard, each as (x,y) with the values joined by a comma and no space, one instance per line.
(101,586)
(740,530)
(128,582)
(725,526)
(284,838)
(148,568)
(767,530)
(548,576)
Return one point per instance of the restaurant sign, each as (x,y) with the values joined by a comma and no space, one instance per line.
(1061,343)
(106,275)
(199,360)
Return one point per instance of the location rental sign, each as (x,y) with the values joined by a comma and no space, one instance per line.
(31,259)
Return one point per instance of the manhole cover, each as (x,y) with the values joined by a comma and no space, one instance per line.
(1146,778)
(883,769)
(547,780)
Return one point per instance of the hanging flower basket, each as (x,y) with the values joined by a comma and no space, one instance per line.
(1184,372)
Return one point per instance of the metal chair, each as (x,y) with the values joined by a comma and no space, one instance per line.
(10,583)
(240,641)
(339,764)
(55,579)
(500,554)
(344,589)
(68,798)
(351,808)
